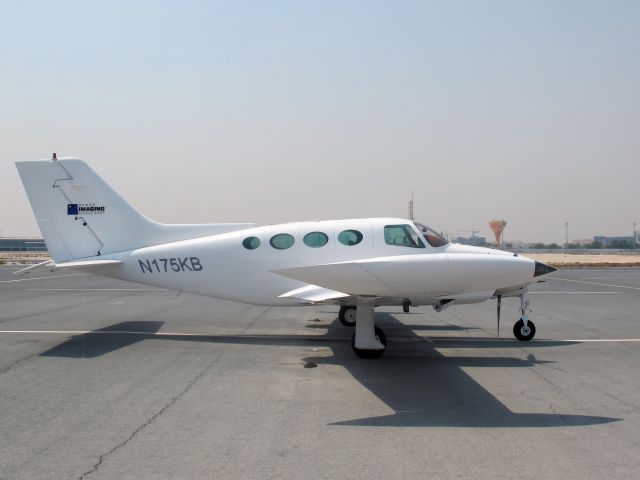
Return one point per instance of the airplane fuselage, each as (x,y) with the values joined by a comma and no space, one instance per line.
(221,266)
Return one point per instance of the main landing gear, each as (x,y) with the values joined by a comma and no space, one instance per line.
(347,315)
(368,341)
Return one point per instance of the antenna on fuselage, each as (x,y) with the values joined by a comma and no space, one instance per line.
(411,207)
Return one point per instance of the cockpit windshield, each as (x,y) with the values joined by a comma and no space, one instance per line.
(432,237)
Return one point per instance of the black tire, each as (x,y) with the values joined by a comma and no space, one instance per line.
(521,334)
(347,316)
(366,353)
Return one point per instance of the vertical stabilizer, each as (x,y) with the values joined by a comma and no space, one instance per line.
(81,216)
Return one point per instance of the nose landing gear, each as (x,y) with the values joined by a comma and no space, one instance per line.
(524,332)
(524,329)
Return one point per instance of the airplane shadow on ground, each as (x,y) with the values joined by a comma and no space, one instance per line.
(424,387)
(105,340)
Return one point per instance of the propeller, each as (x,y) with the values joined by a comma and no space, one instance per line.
(499,304)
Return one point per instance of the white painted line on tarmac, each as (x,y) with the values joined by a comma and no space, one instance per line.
(65,332)
(168,334)
(595,283)
(44,278)
(179,334)
(132,332)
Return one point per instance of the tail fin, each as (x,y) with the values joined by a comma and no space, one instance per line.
(81,216)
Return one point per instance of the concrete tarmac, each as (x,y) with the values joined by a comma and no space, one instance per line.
(103,379)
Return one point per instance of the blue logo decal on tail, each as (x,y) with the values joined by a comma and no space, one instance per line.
(84,209)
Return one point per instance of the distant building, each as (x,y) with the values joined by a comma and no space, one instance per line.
(22,245)
(583,242)
(614,241)
(475,240)
(518,245)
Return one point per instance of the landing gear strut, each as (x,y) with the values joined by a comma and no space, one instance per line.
(368,341)
(524,329)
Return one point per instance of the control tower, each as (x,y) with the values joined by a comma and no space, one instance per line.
(498,227)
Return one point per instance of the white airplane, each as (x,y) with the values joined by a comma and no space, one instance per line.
(358,264)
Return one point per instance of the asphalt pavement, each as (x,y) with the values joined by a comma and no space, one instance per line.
(104,379)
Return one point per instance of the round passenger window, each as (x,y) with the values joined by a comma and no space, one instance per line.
(315,239)
(350,237)
(251,243)
(282,241)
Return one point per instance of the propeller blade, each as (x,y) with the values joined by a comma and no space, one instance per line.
(499,305)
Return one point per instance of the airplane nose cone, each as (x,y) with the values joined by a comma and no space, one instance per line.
(543,269)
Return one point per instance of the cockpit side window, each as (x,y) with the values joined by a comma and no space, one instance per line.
(435,239)
(402,236)
(432,237)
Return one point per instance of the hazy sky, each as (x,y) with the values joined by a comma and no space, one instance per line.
(282,111)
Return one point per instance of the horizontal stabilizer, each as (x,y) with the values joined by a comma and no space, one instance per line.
(26,270)
(314,294)
(87,263)
(51,265)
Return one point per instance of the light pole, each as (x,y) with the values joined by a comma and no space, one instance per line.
(566,235)
(634,235)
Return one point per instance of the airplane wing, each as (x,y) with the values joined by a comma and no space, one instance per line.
(314,294)
(373,277)
(345,276)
